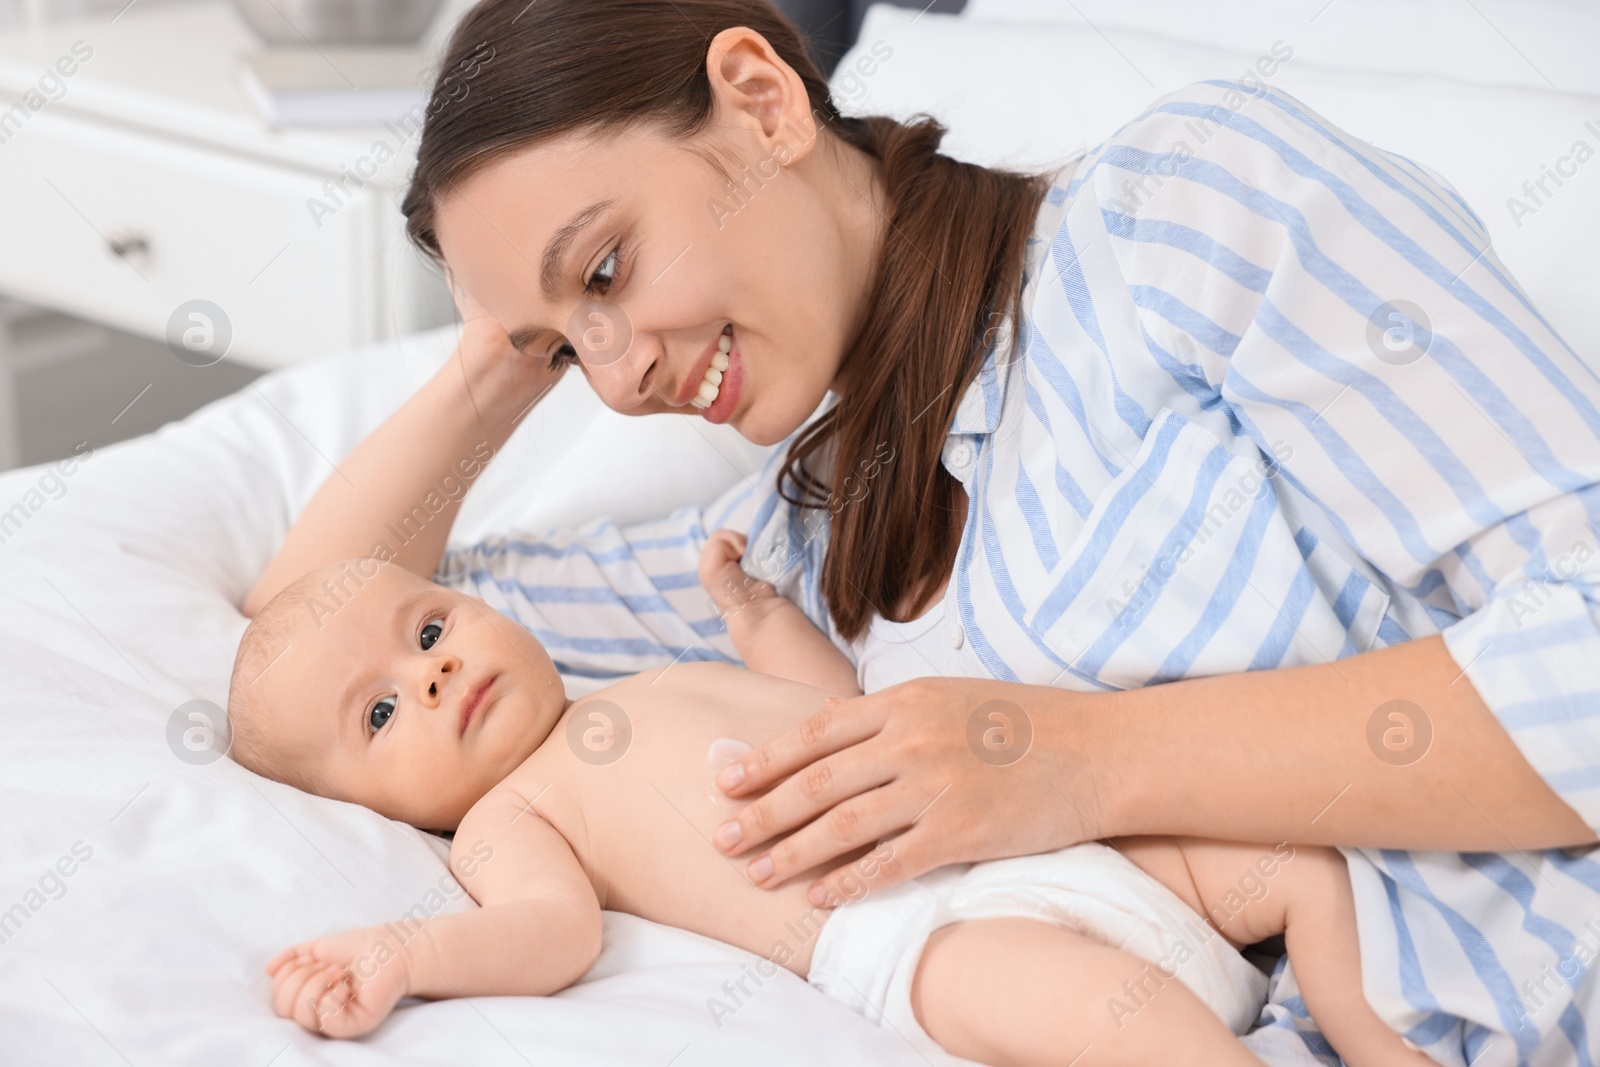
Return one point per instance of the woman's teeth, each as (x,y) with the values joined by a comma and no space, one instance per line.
(711,384)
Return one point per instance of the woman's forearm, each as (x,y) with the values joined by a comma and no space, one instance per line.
(1391,748)
(401,487)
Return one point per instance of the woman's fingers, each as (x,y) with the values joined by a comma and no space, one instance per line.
(858,821)
(965,781)
(896,860)
(841,782)
(840,724)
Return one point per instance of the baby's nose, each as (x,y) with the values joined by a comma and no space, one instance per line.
(446,666)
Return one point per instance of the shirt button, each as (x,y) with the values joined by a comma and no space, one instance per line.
(961,456)
(957,635)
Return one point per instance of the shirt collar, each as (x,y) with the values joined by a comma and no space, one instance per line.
(979,410)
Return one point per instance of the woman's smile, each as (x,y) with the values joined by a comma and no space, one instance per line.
(714,391)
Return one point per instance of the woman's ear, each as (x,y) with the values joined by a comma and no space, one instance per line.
(754,90)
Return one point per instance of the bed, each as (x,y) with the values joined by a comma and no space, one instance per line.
(144,882)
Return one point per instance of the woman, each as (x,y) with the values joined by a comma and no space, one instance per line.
(1233,402)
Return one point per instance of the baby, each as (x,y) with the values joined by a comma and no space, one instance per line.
(428,706)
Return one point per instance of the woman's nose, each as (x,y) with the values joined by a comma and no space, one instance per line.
(629,383)
(623,365)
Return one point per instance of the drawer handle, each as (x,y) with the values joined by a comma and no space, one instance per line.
(128,244)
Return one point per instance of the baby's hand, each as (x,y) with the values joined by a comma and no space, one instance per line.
(343,985)
(730,587)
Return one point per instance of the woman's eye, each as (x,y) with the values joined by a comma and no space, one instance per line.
(430,635)
(604,274)
(380,713)
(562,357)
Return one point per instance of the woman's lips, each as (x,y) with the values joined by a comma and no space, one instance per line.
(732,383)
(474,701)
(691,385)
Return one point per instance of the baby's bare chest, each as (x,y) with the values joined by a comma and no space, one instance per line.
(627,778)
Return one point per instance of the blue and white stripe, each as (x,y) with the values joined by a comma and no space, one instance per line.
(1188,459)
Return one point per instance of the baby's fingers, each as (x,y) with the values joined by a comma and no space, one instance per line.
(290,953)
(730,544)
(321,997)
(288,982)
(346,1014)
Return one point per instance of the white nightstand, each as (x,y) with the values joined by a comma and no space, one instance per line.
(148,182)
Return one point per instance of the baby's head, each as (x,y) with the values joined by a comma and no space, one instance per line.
(358,681)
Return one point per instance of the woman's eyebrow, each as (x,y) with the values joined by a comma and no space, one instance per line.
(560,241)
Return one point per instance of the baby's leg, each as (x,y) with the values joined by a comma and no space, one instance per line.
(1252,892)
(1020,991)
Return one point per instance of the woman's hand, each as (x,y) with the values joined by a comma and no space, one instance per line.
(343,985)
(961,769)
(500,377)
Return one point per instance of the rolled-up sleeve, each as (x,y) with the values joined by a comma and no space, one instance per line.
(1344,300)
(1532,647)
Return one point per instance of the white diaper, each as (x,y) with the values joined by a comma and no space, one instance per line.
(868,950)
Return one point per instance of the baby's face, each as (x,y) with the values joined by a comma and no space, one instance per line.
(411,698)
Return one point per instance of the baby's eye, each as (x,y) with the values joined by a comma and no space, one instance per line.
(380,713)
(430,635)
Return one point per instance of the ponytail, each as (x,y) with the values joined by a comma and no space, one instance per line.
(951,268)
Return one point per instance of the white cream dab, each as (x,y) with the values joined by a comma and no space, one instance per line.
(722,751)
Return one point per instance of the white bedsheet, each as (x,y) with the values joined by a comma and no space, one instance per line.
(118,608)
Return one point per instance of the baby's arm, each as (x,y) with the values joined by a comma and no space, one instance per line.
(773,636)
(537,931)
(414,470)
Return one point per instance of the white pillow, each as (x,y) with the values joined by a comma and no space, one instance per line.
(1030,95)
(1541,44)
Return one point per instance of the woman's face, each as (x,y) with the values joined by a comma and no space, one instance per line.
(630,255)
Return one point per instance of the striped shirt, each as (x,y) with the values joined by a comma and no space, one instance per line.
(1272,401)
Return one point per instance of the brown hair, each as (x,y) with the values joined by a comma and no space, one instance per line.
(950,266)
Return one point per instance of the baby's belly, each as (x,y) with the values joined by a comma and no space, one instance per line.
(711,896)
(642,822)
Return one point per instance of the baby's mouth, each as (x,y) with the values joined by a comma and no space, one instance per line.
(474,701)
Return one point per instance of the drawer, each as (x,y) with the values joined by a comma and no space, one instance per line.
(228,229)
